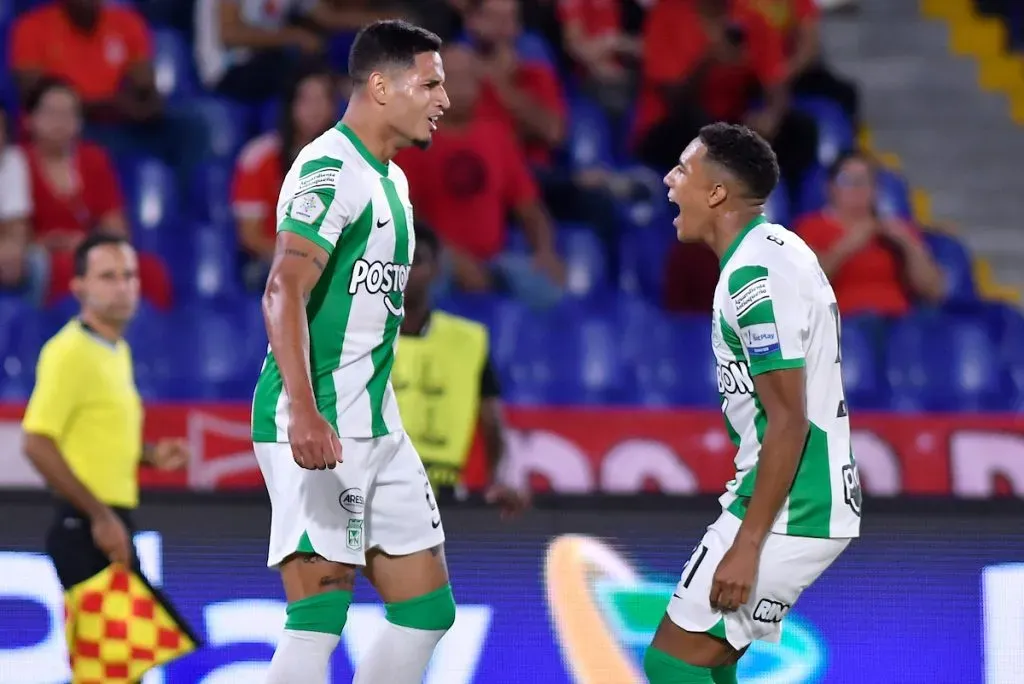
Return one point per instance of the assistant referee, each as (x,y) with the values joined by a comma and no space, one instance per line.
(83,423)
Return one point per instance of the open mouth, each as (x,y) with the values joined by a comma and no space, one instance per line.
(433,122)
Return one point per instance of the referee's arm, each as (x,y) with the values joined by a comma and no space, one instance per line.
(53,401)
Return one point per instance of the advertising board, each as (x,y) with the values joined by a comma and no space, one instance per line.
(561,597)
(619,451)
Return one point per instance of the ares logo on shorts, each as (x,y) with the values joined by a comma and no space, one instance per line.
(734,378)
(770,611)
(352,500)
(378,277)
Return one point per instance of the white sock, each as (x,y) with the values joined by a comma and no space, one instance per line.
(400,655)
(302,657)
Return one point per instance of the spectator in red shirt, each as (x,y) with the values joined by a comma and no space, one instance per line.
(470,179)
(74,189)
(706,60)
(23,269)
(104,52)
(310,107)
(797,21)
(521,85)
(876,264)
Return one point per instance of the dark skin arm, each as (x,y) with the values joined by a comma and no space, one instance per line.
(297,266)
(782,395)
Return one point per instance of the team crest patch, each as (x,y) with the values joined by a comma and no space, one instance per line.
(354,535)
(760,339)
(750,295)
(307,208)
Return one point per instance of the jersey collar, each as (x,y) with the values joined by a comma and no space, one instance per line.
(754,223)
(378,166)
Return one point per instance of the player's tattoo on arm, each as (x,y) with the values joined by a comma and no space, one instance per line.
(299,254)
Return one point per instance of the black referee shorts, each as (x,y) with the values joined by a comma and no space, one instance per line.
(71,548)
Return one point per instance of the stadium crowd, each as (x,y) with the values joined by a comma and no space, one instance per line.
(174,123)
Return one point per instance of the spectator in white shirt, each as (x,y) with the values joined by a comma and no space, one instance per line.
(24,270)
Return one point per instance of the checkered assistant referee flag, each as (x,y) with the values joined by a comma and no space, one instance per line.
(118,627)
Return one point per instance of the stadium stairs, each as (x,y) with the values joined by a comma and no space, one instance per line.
(934,105)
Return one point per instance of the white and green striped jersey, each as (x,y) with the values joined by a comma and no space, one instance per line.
(342,198)
(775,309)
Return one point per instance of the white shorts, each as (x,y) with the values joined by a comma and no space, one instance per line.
(377,497)
(788,566)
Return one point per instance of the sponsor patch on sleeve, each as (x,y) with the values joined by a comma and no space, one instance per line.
(307,208)
(760,339)
(321,178)
(750,295)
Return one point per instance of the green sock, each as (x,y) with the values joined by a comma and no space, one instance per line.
(726,674)
(661,668)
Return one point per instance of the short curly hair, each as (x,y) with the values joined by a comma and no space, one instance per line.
(745,154)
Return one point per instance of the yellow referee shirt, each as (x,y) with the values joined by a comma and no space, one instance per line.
(86,401)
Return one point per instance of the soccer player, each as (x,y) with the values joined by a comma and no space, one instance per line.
(795,502)
(347,488)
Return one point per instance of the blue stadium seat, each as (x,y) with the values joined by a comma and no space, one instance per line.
(590,140)
(268,116)
(585,263)
(212,263)
(945,363)
(1012,353)
(835,131)
(643,253)
(568,356)
(217,355)
(151,196)
(172,65)
(777,207)
(676,366)
(952,257)
(228,124)
(862,372)
(210,192)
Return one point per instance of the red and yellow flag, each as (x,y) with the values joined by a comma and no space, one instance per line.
(118,627)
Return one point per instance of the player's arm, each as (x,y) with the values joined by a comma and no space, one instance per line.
(770,316)
(296,269)
(492,424)
(315,213)
(53,402)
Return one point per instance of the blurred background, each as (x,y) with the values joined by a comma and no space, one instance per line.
(899,126)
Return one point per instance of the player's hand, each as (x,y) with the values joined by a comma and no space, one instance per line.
(170,454)
(111,537)
(511,502)
(734,578)
(315,444)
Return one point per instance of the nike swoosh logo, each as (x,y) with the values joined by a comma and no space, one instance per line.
(381,224)
(435,523)
(677,596)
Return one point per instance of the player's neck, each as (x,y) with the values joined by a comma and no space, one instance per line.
(372,133)
(730,228)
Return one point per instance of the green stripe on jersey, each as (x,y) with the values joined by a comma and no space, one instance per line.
(383,355)
(264,401)
(328,311)
(810,497)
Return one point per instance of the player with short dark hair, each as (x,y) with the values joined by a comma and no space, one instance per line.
(347,488)
(795,502)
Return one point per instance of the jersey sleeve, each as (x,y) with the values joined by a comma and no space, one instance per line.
(54,397)
(771,318)
(318,206)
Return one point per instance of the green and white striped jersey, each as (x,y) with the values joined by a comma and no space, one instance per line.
(775,309)
(342,198)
